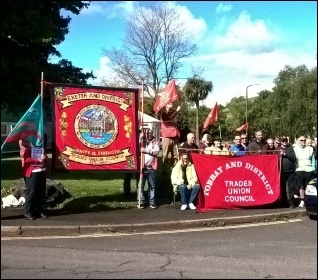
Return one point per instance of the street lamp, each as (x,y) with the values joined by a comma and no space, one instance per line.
(246,97)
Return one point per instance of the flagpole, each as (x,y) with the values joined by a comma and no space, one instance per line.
(42,90)
(141,143)
(42,75)
(220,130)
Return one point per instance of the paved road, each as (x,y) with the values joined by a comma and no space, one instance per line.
(280,250)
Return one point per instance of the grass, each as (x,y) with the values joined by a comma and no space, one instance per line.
(89,191)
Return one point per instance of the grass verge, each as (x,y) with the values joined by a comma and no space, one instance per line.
(89,191)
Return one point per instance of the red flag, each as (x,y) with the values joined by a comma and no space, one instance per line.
(244,126)
(168,95)
(212,117)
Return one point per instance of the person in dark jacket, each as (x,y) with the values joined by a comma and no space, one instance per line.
(287,170)
(189,146)
(259,145)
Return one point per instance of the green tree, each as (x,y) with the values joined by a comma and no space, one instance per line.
(197,89)
(30,32)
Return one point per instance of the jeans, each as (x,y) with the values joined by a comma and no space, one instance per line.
(188,196)
(150,176)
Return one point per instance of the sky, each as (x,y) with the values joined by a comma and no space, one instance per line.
(239,43)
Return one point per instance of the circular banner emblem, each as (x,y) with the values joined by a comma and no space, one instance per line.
(96,126)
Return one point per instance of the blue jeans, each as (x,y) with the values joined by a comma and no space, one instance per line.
(188,196)
(150,176)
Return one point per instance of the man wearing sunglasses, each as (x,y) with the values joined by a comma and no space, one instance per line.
(305,166)
(244,141)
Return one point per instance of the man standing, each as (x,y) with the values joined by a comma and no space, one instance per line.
(189,146)
(244,141)
(305,165)
(258,145)
(237,149)
(287,169)
(149,150)
(170,135)
(184,179)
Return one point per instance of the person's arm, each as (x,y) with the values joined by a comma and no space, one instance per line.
(174,176)
(153,149)
(290,154)
(313,161)
(168,116)
(194,179)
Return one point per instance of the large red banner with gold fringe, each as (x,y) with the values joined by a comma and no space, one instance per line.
(95,128)
(236,182)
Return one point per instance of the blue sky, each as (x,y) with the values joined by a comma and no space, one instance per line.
(240,43)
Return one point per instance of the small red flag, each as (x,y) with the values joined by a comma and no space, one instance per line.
(212,117)
(244,126)
(168,95)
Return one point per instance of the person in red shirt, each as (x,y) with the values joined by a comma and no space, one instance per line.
(34,172)
(170,135)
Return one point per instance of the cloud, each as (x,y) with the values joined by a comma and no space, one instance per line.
(104,71)
(237,52)
(245,34)
(123,8)
(223,8)
(195,26)
(93,9)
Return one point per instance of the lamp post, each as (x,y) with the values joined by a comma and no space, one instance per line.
(246,98)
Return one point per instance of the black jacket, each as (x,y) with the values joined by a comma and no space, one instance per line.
(255,146)
(288,159)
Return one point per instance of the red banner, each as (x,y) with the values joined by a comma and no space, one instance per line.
(212,117)
(244,126)
(236,182)
(168,95)
(95,128)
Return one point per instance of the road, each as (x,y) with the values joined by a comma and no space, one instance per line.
(281,250)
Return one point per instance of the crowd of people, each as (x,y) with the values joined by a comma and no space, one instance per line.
(298,164)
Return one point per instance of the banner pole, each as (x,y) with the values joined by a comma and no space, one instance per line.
(42,93)
(220,130)
(141,143)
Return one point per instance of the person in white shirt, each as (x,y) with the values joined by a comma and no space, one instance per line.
(149,150)
(305,166)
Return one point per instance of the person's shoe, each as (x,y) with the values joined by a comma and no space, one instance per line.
(296,196)
(184,207)
(142,206)
(302,204)
(29,216)
(43,215)
(192,207)
(153,206)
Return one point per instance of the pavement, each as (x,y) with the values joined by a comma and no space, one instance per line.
(165,217)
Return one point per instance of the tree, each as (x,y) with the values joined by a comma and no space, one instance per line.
(197,89)
(30,32)
(153,48)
